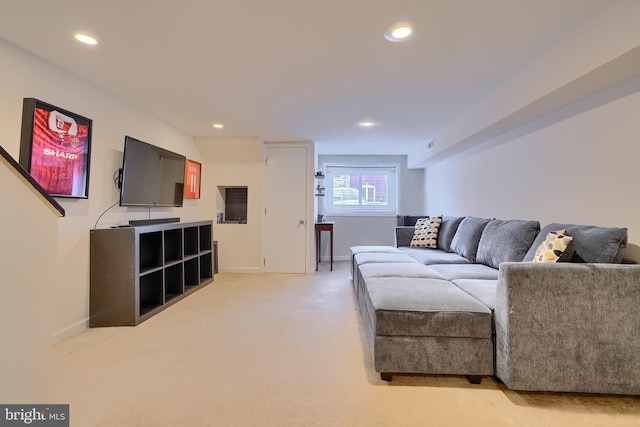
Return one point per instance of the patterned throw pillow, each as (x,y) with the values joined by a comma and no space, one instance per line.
(426,233)
(557,247)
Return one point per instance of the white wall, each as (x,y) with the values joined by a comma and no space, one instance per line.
(230,162)
(29,237)
(239,245)
(239,161)
(558,142)
(601,54)
(22,75)
(581,170)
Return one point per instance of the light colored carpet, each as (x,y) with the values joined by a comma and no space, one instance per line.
(282,350)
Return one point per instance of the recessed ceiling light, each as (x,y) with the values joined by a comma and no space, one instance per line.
(85,38)
(218,125)
(399,31)
(367,123)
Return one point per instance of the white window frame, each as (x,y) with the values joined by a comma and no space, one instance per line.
(360,209)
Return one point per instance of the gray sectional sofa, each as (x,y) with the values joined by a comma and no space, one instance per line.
(477,306)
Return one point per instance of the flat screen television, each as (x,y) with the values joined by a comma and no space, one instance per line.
(151,176)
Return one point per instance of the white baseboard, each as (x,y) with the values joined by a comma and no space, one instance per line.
(70,331)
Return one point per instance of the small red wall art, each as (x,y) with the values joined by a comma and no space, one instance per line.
(192,176)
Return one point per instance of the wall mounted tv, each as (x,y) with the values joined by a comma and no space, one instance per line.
(151,176)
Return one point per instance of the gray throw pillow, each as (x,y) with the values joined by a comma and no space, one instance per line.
(506,241)
(448,229)
(465,242)
(590,243)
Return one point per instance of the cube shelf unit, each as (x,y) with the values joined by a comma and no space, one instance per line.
(136,272)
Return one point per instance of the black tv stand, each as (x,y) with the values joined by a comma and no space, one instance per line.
(136,222)
(136,272)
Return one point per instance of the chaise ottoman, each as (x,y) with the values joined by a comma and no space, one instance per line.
(427,326)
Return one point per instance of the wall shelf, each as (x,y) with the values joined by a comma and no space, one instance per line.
(319,191)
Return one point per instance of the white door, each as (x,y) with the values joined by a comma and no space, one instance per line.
(285,227)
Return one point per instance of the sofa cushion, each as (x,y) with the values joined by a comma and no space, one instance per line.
(466,271)
(434,256)
(506,241)
(557,247)
(591,244)
(398,270)
(368,257)
(481,289)
(426,233)
(465,242)
(368,249)
(448,229)
(372,249)
(424,307)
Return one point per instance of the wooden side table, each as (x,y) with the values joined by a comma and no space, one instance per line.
(320,227)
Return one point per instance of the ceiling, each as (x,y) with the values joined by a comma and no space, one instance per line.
(287,70)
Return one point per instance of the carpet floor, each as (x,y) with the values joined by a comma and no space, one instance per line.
(283,350)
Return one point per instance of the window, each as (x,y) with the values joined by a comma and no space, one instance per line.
(361,190)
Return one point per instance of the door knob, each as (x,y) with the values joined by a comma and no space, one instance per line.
(301,222)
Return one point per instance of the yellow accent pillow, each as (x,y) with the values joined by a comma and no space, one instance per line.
(557,247)
(426,233)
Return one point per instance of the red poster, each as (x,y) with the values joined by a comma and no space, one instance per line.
(192,180)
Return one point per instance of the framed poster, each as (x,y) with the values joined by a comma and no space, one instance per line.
(192,175)
(55,147)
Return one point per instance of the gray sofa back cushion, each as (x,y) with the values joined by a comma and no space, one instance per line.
(448,228)
(504,241)
(465,242)
(591,244)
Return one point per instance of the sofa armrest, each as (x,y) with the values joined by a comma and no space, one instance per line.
(568,327)
(404,235)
